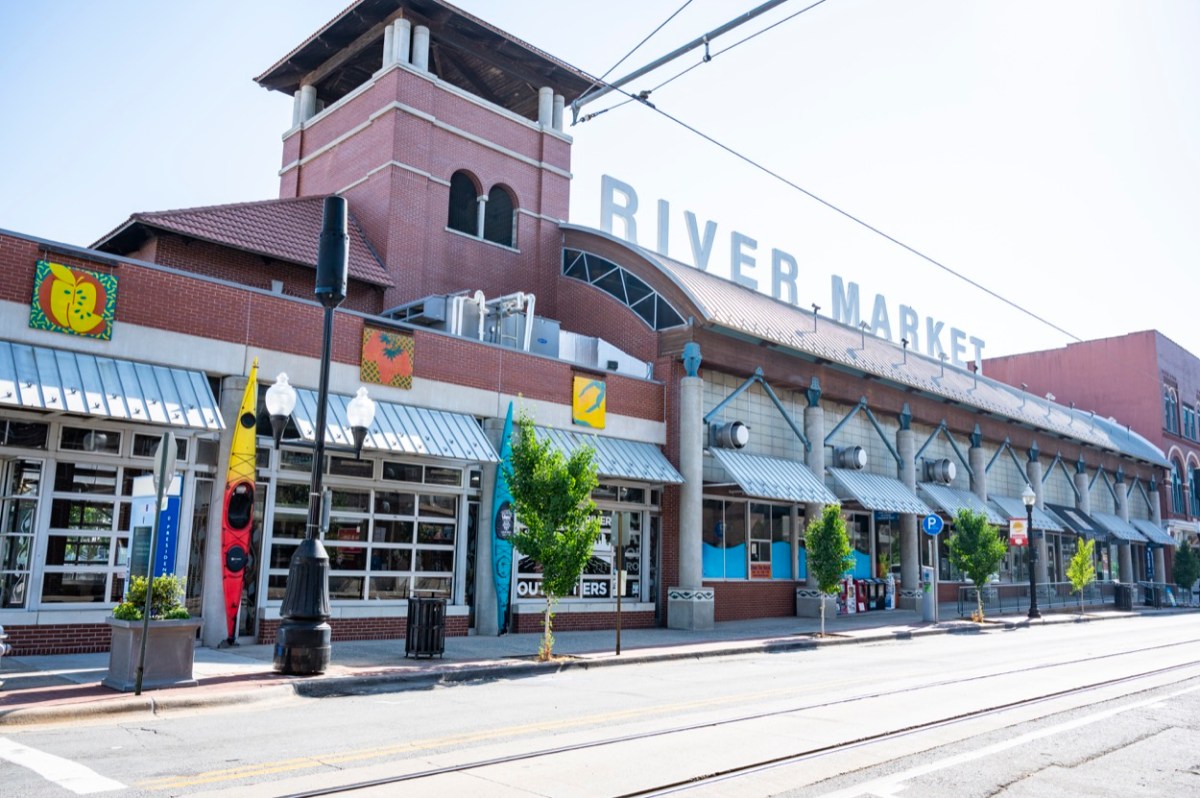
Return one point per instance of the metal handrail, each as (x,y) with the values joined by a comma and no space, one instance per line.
(1002,597)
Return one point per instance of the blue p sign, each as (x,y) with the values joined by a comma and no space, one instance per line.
(932,524)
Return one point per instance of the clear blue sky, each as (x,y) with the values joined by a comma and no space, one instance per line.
(1047,150)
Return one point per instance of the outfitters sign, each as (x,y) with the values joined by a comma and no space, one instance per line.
(73,301)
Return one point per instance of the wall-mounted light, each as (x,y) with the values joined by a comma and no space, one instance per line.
(942,470)
(853,458)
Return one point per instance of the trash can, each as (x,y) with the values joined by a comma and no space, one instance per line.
(426,631)
(1124,597)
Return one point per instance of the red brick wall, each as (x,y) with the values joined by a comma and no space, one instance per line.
(583,621)
(33,641)
(386,627)
(739,601)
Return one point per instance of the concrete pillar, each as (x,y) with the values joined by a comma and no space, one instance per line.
(1160,565)
(808,596)
(486,622)
(401,41)
(213,628)
(1033,472)
(480,214)
(1160,557)
(308,102)
(910,594)
(978,463)
(689,604)
(546,106)
(389,47)
(420,48)
(557,116)
(296,115)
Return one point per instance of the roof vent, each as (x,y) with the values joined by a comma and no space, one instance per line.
(942,471)
(853,458)
(731,435)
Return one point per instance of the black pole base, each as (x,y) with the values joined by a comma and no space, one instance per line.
(302,648)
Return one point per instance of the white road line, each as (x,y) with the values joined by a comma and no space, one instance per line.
(888,786)
(63,772)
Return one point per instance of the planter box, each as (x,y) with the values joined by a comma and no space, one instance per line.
(170,649)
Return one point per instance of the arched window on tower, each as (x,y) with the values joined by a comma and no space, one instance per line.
(1177,505)
(1171,410)
(1195,487)
(499,221)
(464,204)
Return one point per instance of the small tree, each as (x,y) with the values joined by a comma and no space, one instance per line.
(552,501)
(1186,570)
(976,550)
(829,553)
(1081,572)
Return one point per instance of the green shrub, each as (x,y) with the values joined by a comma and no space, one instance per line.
(166,604)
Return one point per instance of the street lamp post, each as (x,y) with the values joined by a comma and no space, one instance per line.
(302,644)
(1030,498)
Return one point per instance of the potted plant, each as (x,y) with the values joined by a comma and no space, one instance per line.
(170,637)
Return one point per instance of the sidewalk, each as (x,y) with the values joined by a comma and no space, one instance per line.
(65,687)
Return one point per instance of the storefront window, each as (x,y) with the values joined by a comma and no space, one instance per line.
(382,544)
(18,506)
(86,439)
(27,435)
(724,539)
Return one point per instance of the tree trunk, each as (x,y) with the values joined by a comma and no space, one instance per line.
(979,602)
(822,600)
(547,637)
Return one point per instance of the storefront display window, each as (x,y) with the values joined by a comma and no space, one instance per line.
(18,508)
(383,544)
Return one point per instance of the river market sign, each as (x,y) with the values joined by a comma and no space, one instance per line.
(619,200)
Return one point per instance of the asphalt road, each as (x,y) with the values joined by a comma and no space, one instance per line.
(814,722)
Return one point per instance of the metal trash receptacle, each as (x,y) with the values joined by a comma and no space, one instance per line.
(1124,597)
(426,631)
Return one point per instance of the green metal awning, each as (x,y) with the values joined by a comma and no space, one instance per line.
(618,458)
(1119,527)
(950,500)
(405,429)
(1013,507)
(1155,534)
(773,477)
(42,378)
(1079,522)
(877,493)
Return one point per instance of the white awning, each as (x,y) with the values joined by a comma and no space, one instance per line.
(950,500)
(42,378)
(773,477)
(1013,507)
(877,493)
(398,428)
(618,458)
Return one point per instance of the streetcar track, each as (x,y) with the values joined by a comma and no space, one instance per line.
(787,758)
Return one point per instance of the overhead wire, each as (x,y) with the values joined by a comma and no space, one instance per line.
(643,96)
(597,81)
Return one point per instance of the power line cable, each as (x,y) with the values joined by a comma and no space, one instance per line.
(597,81)
(643,96)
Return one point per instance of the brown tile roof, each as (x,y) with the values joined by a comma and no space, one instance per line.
(284,229)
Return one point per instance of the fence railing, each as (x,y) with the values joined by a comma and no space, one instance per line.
(999,598)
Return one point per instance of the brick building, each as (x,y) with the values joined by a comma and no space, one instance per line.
(730,418)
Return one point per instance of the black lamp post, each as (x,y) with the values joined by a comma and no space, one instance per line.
(302,644)
(1030,498)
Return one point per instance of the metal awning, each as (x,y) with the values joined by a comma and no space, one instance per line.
(1013,507)
(1155,534)
(399,428)
(42,378)
(773,477)
(950,500)
(1119,527)
(877,493)
(618,458)
(1079,522)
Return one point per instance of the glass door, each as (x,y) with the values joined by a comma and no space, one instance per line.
(19,490)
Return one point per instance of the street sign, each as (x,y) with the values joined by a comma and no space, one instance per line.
(932,524)
(1018,534)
